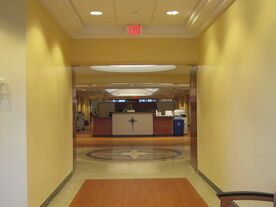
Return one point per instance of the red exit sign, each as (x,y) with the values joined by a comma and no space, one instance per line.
(134,30)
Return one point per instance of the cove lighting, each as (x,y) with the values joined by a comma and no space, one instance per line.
(172,13)
(96,13)
(132,92)
(133,68)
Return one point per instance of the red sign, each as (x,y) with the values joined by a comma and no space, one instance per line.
(134,30)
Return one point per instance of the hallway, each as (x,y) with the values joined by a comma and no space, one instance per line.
(177,167)
(122,55)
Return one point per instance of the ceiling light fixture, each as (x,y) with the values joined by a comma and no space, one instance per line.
(133,68)
(172,13)
(96,13)
(132,92)
(81,86)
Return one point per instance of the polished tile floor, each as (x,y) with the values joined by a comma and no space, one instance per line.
(93,167)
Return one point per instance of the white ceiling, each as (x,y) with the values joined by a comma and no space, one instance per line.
(194,17)
(124,12)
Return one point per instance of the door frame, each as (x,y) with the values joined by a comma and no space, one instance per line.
(193,116)
(74,114)
(192,121)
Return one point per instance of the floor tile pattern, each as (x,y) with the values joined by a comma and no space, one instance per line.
(179,167)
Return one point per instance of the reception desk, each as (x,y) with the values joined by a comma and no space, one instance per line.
(132,124)
(102,126)
(163,126)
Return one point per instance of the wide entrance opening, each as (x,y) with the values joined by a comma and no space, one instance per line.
(134,125)
(130,113)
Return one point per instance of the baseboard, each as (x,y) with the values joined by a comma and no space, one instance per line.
(214,186)
(56,191)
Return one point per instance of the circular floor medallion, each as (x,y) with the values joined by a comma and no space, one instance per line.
(134,154)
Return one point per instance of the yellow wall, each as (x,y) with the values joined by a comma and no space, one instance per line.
(183,103)
(84,106)
(13,153)
(237,98)
(49,105)
(134,51)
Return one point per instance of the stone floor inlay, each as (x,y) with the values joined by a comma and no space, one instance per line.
(137,153)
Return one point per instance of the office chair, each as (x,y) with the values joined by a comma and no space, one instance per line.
(228,197)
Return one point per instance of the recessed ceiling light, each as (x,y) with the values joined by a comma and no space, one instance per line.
(172,12)
(133,68)
(96,13)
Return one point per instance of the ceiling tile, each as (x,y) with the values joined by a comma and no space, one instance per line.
(184,7)
(83,8)
(134,12)
(195,16)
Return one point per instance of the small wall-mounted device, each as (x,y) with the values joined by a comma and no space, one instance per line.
(5,97)
(2,81)
(3,86)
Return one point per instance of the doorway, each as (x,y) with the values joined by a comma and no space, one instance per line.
(100,153)
(103,97)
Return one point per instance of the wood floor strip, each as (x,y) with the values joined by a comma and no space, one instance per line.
(138,193)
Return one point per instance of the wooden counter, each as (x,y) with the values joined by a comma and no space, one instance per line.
(163,126)
(102,126)
(160,126)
